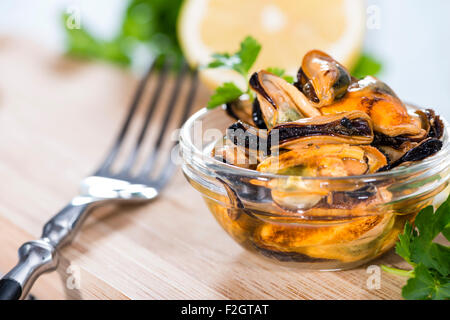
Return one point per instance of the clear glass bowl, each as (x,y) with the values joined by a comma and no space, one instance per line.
(276,216)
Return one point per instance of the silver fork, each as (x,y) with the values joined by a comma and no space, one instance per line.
(40,256)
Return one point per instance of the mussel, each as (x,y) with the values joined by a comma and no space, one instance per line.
(396,148)
(432,123)
(354,127)
(419,152)
(279,100)
(229,153)
(250,138)
(388,113)
(322,79)
(327,160)
(346,241)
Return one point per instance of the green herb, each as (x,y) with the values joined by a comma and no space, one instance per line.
(366,65)
(147,25)
(242,60)
(281,73)
(225,93)
(430,278)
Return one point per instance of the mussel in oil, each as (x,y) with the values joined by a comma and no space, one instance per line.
(387,111)
(419,152)
(354,127)
(326,160)
(322,79)
(279,100)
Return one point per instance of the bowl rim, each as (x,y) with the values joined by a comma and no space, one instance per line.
(186,144)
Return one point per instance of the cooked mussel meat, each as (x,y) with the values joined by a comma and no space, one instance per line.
(249,138)
(322,79)
(279,100)
(227,152)
(398,146)
(327,160)
(354,127)
(387,111)
(432,123)
(421,151)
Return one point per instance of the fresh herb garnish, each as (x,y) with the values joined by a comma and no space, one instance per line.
(366,65)
(281,73)
(430,278)
(241,61)
(225,93)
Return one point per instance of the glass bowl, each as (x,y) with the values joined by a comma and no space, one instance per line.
(281,218)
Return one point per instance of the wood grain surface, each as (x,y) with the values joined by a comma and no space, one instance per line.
(57,118)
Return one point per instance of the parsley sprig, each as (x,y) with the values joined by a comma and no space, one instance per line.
(430,277)
(241,61)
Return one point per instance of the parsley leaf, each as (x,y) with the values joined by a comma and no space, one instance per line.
(426,285)
(403,246)
(430,278)
(366,65)
(281,73)
(227,92)
(242,60)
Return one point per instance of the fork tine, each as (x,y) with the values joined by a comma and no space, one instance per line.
(162,75)
(168,169)
(162,131)
(106,165)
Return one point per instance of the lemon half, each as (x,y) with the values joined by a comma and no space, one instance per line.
(287,29)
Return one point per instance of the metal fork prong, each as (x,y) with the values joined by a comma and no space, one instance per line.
(162,76)
(169,167)
(162,131)
(106,165)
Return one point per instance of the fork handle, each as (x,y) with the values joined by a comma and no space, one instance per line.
(40,256)
(10,289)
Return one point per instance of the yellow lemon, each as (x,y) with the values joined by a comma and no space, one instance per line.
(287,29)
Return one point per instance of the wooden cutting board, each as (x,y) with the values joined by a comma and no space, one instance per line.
(57,118)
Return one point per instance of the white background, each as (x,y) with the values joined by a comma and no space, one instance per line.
(413,40)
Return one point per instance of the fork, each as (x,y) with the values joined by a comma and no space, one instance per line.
(106,185)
